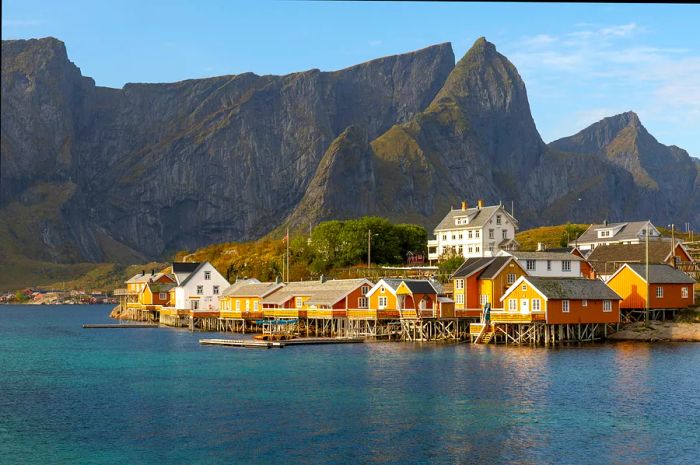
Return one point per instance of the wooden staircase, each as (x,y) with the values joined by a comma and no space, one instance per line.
(485,335)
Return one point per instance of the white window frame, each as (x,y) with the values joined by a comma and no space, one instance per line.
(200,289)
(238,305)
(476,234)
(523,287)
(383,302)
(298,302)
(659,292)
(607,306)
(565,306)
(162,295)
(469,234)
(459,298)
(511,278)
(512,305)
(477,249)
(215,290)
(362,302)
(483,298)
(491,234)
(364,289)
(584,303)
(459,283)
(536,305)
(549,265)
(528,264)
(255,306)
(194,304)
(498,219)
(504,233)
(684,292)
(566,265)
(207,275)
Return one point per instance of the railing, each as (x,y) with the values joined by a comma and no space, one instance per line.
(284,312)
(124,292)
(514,317)
(362,314)
(475,328)
(325,313)
(238,314)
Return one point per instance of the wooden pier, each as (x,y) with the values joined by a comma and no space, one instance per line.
(120,325)
(252,343)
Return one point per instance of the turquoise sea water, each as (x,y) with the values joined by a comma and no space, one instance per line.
(131,396)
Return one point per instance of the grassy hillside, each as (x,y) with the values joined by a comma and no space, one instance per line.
(550,236)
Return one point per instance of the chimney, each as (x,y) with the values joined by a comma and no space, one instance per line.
(277,279)
(540,246)
(322,279)
(153,272)
(464,205)
(605,222)
(143,272)
(480,203)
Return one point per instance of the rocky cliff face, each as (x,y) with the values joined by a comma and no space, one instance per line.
(91,173)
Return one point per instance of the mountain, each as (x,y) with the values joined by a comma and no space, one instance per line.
(121,175)
(666,176)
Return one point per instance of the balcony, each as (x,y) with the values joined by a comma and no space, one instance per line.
(515,317)
(124,292)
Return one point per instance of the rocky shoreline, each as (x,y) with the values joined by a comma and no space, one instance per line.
(659,331)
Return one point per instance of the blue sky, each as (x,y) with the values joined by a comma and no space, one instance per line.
(580,62)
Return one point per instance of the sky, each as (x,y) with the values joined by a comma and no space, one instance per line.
(580,62)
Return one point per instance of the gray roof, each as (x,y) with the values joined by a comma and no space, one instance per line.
(544,255)
(420,286)
(573,288)
(661,274)
(604,258)
(471,265)
(477,217)
(494,267)
(628,232)
(256,289)
(326,291)
(392,282)
(192,273)
(145,278)
(185,267)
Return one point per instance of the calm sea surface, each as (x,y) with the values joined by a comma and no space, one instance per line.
(131,396)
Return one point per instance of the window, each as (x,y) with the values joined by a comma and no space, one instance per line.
(584,303)
(607,306)
(238,305)
(364,289)
(471,249)
(566,265)
(659,292)
(512,305)
(255,306)
(200,290)
(536,305)
(490,233)
(195,305)
(454,237)
(549,265)
(510,279)
(483,299)
(498,219)
(444,237)
(298,302)
(684,292)
(565,306)
(523,287)
(477,249)
(529,265)
(459,298)
(362,302)
(469,234)
(459,250)
(460,236)
(476,234)
(505,234)
(163,296)
(207,275)
(459,284)
(215,290)
(381,289)
(382,302)
(247,305)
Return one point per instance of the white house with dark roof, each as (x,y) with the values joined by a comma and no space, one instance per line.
(199,286)
(548,264)
(633,232)
(482,231)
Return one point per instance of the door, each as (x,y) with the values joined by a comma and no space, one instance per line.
(524,306)
(195,304)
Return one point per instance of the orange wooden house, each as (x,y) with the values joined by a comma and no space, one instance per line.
(558,301)
(481,280)
(668,288)
(606,259)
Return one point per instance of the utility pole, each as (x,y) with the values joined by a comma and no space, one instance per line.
(287,241)
(673,244)
(646,312)
(369,249)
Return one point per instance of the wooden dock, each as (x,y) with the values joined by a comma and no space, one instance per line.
(121,325)
(252,343)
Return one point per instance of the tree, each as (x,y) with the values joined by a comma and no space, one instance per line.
(571,232)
